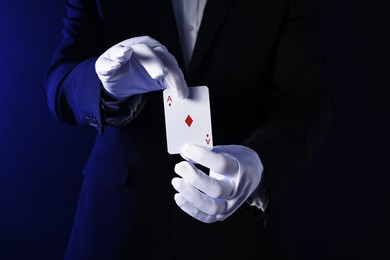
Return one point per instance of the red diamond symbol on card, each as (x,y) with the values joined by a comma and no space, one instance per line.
(189,120)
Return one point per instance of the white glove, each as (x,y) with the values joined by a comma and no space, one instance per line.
(139,65)
(235,172)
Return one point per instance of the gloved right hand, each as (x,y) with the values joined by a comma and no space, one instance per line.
(139,65)
(235,173)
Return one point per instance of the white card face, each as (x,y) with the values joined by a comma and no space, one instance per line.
(188,121)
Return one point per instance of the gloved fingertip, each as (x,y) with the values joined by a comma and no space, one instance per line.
(180,201)
(177,167)
(175,182)
(114,66)
(106,67)
(120,54)
(189,150)
(127,53)
(182,167)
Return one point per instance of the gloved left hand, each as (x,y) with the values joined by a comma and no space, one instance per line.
(235,172)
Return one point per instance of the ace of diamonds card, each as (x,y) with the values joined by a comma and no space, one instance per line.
(188,121)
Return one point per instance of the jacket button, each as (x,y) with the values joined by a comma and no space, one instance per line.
(92,121)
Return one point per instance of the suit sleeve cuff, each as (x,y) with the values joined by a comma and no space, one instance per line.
(120,111)
(260,197)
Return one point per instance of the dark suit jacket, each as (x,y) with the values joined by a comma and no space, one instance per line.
(263,64)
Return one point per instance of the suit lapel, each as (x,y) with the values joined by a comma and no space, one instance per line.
(213,18)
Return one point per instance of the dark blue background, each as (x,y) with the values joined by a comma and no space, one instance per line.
(339,205)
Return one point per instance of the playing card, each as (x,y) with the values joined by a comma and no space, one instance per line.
(188,121)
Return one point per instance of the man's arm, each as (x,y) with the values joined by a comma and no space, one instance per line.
(301,108)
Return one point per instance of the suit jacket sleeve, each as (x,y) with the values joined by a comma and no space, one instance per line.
(300,110)
(73,90)
(72,98)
